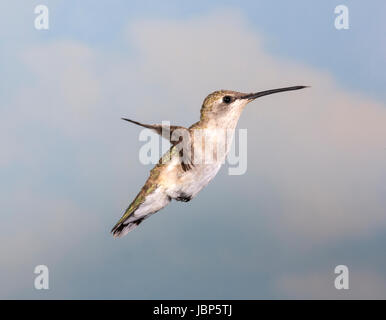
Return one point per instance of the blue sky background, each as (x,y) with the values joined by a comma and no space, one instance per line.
(313,195)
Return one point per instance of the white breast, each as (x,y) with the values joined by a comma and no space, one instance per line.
(198,177)
(192,181)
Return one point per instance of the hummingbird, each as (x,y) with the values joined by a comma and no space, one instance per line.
(178,175)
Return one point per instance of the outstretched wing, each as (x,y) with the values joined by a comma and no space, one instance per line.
(176,135)
(164,131)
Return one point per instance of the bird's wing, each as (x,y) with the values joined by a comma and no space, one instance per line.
(149,200)
(164,131)
(175,135)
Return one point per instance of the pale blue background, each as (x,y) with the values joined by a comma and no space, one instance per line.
(64,179)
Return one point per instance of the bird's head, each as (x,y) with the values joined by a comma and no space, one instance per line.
(226,103)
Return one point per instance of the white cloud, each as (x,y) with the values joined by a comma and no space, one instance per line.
(67,87)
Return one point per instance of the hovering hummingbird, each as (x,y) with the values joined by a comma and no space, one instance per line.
(177,175)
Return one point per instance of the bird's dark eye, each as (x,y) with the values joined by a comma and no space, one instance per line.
(227,99)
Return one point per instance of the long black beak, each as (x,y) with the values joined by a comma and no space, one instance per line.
(252,96)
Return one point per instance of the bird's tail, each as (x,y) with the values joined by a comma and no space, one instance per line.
(148,201)
(123,228)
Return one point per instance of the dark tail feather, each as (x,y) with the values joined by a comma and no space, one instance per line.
(123,228)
